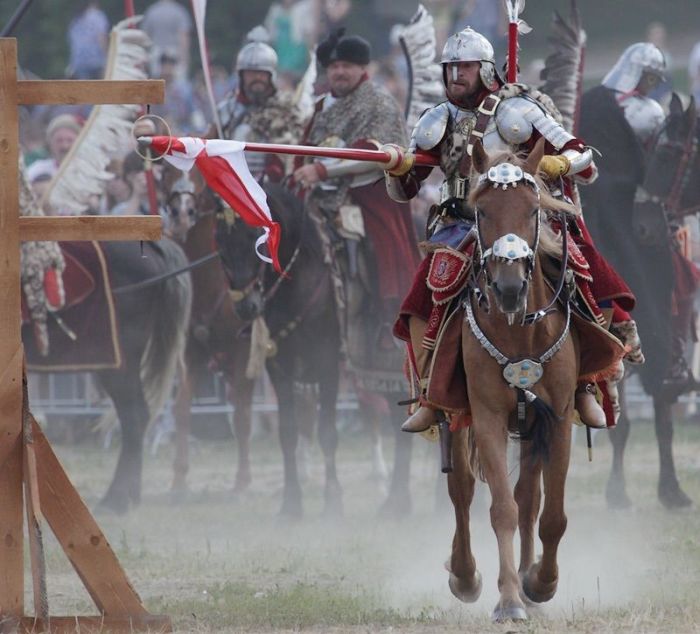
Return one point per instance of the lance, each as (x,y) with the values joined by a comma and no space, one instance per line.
(389,157)
(515,26)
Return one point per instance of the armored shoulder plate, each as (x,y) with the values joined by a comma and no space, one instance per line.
(517,117)
(645,116)
(431,127)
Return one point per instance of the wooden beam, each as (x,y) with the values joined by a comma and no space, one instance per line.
(70,91)
(91,624)
(80,536)
(11,353)
(87,228)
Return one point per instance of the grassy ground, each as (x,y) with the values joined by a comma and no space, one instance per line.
(219,564)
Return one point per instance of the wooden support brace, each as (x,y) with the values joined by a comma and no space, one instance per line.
(65,91)
(88,228)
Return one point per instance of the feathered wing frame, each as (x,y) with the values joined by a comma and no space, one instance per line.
(426,88)
(563,71)
(107,132)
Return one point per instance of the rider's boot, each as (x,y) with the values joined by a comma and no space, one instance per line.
(589,411)
(424,416)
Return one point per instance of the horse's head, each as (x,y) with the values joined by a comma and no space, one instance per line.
(244,269)
(668,179)
(184,192)
(506,200)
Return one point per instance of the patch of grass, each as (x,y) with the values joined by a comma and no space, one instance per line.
(299,606)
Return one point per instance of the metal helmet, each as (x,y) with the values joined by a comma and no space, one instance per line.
(257,54)
(637,59)
(470,46)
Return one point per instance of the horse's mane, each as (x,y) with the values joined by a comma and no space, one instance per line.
(550,241)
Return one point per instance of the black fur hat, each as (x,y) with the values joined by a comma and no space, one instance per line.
(338,47)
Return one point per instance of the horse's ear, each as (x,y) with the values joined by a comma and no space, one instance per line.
(480,158)
(533,161)
(675,108)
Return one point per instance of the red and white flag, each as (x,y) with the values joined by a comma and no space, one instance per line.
(225,170)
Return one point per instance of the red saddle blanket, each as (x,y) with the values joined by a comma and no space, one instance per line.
(441,277)
(83,335)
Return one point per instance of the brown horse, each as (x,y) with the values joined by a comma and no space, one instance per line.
(216,334)
(510,204)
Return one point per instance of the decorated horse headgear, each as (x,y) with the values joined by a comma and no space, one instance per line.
(509,248)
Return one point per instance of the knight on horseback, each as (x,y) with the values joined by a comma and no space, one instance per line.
(369,239)
(503,117)
(257,111)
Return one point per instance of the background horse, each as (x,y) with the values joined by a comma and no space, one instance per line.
(513,213)
(299,310)
(151,320)
(217,336)
(647,267)
(670,192)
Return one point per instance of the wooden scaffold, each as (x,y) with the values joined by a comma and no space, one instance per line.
(31,477)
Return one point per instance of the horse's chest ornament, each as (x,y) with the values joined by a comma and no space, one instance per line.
(510,248)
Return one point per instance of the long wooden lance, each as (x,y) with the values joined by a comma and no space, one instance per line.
(389,157)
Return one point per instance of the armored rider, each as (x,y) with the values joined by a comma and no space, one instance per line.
(508,117)
(347,198)
(620,112)
(257,112)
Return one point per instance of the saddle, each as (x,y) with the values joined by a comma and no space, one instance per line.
(83,333)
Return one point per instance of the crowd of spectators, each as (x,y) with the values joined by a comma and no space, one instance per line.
(294,27)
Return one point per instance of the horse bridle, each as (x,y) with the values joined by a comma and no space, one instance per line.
(511,248)
(671,205)
(523,373)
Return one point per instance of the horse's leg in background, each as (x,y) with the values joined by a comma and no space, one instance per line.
(670,493)
(528,496)
(465,579)
(541,580)
(240,395)
(328,432)
(491,443)
(616,489)
(182,410)
(125,389)
(374,409)
(306,403)
(398,500)
(280,370)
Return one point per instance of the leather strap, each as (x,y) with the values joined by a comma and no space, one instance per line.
(486,110)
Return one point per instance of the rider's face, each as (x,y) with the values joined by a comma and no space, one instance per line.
(463,80)
(256,84)
(343,77)
(648,82)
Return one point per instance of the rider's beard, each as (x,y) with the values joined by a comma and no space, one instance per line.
(258,92)
(464,94)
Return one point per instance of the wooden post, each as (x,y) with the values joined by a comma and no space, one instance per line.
(28,466)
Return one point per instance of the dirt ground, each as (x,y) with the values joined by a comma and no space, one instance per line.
(216,563)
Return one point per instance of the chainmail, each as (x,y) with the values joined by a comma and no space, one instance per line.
(35,258)
(369,112)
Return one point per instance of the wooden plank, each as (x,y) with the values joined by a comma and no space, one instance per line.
(66,91)
(88,228)
(11,499)
(92,624)
(80,536)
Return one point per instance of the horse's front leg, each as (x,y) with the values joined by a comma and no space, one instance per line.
(328,434)
(528,498)
(240,395)
(465,579)
(491,442)
(540,581)
(182,410)
(280,371)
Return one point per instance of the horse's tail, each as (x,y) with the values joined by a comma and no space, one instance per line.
(540,431)
(474,462)
(166,344)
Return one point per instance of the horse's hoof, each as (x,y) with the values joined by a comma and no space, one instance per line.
(465,591)
(112,506)
(512,612)
(616,495)
(672,497)
(535,590)
(291,508)
(178,495)
(396,506)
